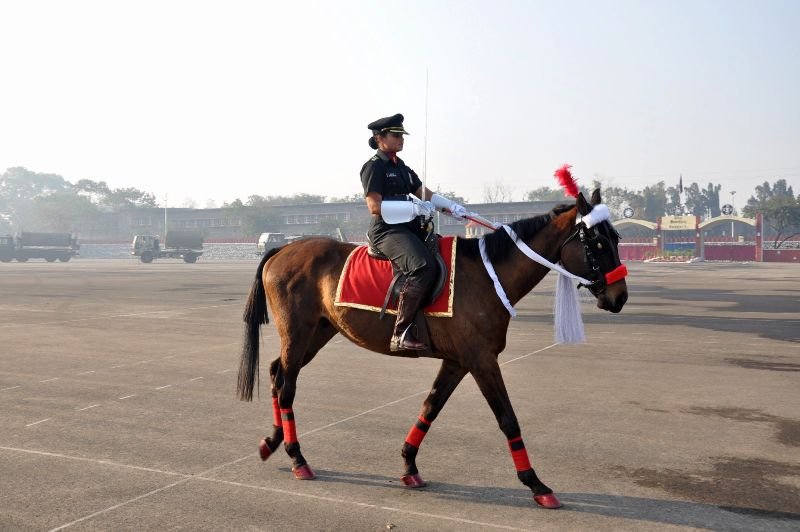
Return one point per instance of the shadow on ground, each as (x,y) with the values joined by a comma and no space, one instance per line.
(712,506)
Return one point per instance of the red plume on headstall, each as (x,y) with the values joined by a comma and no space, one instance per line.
(567,182)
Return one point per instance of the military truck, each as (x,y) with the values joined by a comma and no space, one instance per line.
(30,245)
(186,245)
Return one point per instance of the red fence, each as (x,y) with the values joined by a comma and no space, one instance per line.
(730,252)
(782,255)
(637,251)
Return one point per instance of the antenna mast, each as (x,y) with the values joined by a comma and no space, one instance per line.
(425,140)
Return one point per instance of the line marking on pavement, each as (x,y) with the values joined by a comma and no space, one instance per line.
(87,372)
(131,315)
(127,397)
(92,460)
(9,388)
(202,477)
(359,504)
(195,379)
(224,371)
(115,367)
(51,380)
(37,422)
(145,495)
(526,355)
(87,408)
(162,387)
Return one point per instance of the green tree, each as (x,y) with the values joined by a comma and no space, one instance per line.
(780,207)
(19,187)
(616,198)
(545,194)
(695,200)
(654,201)
(295,199)
(61,211)
(711,194)
(129,198)
(673,204)
(235,204)
(357,197)
(451,196)
(96,190)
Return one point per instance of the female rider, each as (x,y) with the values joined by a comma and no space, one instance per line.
(398,223)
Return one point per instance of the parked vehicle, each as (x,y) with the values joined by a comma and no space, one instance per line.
(268,241)
(186,245)
(29,245)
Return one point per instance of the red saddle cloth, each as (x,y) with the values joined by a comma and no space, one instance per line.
(365,280)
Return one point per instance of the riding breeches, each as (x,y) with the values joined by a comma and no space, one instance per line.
(406,250)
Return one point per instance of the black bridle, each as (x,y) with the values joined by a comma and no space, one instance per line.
(597,242)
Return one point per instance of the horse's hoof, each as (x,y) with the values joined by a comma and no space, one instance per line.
(549,501)
(303,472)
(263,450)
(413,481)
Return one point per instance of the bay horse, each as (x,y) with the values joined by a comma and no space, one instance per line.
(300,279)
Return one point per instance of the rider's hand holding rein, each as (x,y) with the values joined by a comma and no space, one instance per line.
(440,202)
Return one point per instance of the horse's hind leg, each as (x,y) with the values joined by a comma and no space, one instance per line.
(269,444)
(450,374)
(288,370)
(322,335)
(490,382)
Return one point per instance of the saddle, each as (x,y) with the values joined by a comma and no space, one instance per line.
(398,281)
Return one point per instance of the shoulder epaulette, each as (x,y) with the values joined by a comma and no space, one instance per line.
(374,158)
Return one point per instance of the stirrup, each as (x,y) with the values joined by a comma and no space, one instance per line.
(398,344)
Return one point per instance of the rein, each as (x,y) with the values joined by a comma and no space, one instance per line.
(599,215)
(531,254)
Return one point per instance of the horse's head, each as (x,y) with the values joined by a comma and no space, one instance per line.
(591,252)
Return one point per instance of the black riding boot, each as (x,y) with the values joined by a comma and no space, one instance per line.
(411,300)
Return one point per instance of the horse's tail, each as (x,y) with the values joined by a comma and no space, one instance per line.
(255,314)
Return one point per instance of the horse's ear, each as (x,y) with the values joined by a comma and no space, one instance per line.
(583,207)
(596,200)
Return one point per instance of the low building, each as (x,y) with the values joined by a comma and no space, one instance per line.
(246,223)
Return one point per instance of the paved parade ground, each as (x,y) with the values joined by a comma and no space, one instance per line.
(118,410)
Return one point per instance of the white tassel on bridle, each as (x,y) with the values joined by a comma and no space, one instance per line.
(567,313)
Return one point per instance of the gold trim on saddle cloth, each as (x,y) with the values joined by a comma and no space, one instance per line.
(446,314)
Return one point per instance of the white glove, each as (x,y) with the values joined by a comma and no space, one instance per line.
(458,211)
(398,212)
(423,208)
(440,202)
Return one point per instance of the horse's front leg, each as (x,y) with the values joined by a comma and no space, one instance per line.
(450,374)
(490,381)
(269,444)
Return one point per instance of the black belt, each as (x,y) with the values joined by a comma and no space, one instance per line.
(397,197)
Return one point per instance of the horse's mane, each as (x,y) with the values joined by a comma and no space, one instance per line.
(499,245)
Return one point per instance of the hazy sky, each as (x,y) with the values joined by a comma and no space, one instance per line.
(219,100)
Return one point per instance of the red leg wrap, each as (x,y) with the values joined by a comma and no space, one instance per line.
(519,454)
(289,430)
(276,413)
(418,432)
